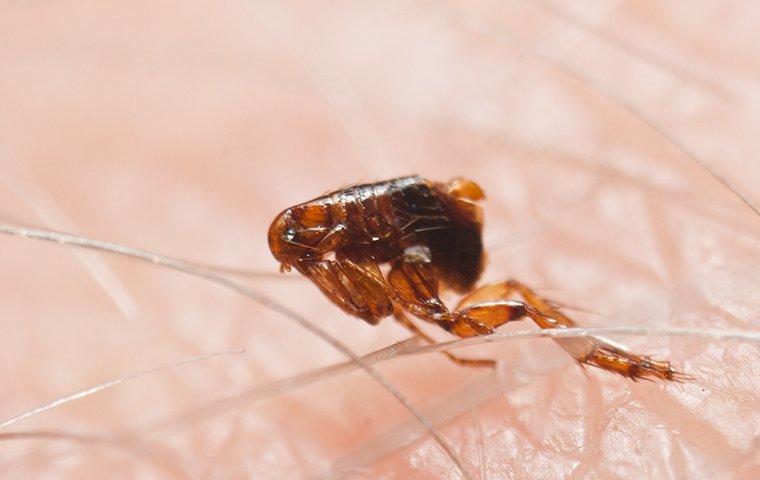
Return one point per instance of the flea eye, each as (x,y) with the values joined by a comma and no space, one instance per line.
(289,235)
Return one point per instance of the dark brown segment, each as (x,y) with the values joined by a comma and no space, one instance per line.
(448,226)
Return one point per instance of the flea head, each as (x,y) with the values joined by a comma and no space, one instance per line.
(302,234)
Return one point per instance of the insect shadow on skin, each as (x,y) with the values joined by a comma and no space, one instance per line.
(430,234)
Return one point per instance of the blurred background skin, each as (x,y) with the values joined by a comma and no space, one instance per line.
(183,128)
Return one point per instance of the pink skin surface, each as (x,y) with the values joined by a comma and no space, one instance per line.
(183,129)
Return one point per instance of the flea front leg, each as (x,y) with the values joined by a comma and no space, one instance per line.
(593,351)
(356,287)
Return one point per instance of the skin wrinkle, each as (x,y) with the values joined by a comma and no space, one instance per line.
(186,136)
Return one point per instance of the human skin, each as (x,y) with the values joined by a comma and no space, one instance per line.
(183,129)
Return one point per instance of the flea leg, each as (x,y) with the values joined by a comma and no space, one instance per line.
(414,283)
(356,287)
(465,362)
(490,301)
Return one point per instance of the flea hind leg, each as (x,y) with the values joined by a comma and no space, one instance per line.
(487,303)
(466,362)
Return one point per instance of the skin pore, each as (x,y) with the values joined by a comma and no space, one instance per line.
(183,129)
